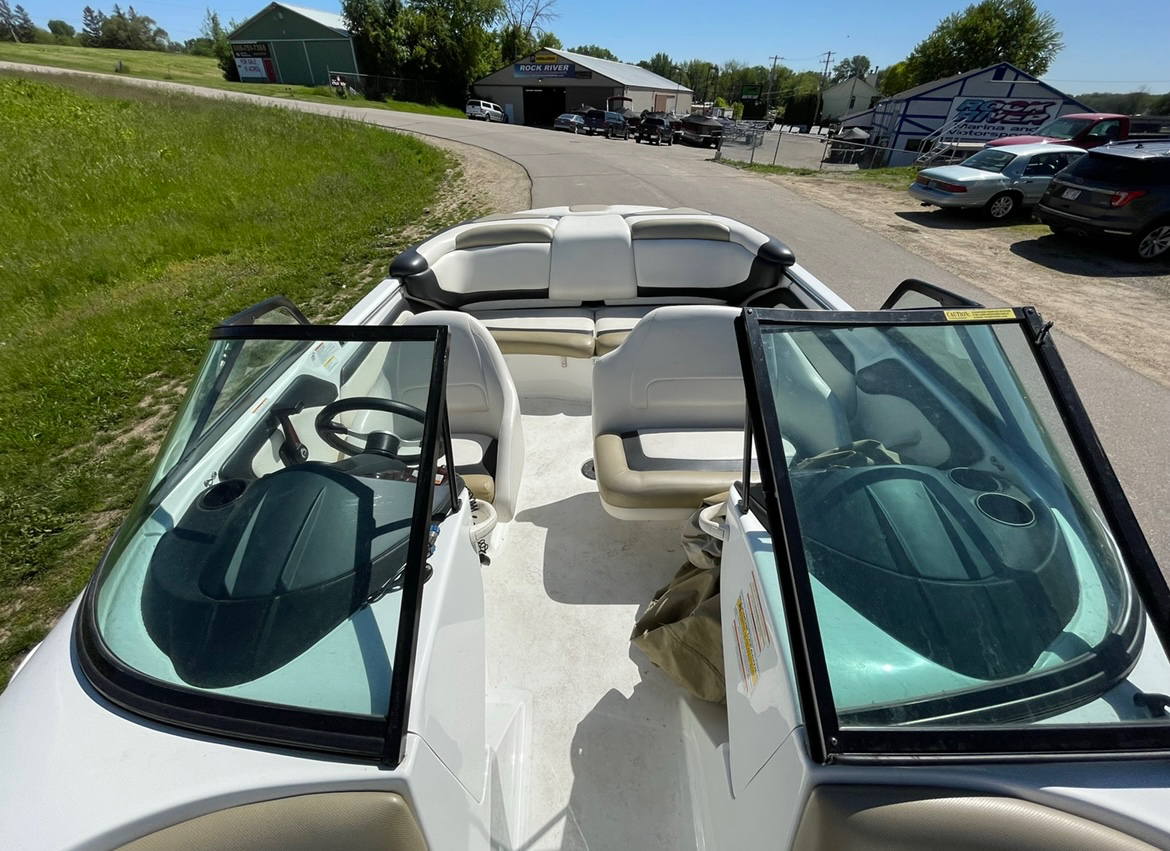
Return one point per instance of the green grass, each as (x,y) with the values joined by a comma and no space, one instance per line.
(194,70)
(892,178)
(133,220)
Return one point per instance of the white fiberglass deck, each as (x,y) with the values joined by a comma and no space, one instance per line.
(606,762)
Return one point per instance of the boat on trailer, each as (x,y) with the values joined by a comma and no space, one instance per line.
(378,590)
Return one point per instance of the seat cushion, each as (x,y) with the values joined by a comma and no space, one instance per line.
(564,333)
(659,486)
(612,325)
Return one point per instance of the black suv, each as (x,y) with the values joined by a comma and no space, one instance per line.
(594,120)
(616,126)
(656,130)
(1119,191)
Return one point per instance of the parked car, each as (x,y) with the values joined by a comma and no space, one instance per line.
(484,110)
(570,122)
(700,130)
(594,120)
(998,181)
(1119,191)
(656,130)
(673,120)
(1091,129)
(616,126)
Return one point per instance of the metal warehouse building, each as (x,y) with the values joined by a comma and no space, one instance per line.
(537,89)
(967,109)
(292,45)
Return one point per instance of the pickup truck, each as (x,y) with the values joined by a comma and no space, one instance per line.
(1090,129)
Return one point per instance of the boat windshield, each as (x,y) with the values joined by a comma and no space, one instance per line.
(266,560)
(959,565)
(1063,128)
(990,159)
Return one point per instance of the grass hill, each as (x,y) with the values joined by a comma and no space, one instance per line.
(134,219)
(182,68)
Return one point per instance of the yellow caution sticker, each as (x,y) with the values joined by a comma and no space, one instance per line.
(981,315)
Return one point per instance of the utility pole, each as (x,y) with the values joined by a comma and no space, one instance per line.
(821,91)
(771,81)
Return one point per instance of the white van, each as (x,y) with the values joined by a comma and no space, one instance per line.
(484,110)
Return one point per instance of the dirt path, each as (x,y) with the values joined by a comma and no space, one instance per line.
(1118,307)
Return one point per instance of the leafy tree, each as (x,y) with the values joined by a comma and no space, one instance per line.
(660,63)
(130,31)
(25,31)
(61,29)
(448,42)
(7,23)
(91,27)
(854,66)
(515,43)
(596,51)
(986,33)
(212,32)
(896,78)
(524,22)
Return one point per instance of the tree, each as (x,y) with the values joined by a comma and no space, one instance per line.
(660,63)
(984,34)
(91,27)
(596,51)
(7,23)
(22,23)
(895,78)
(524,22)
(61,30)
(854,66)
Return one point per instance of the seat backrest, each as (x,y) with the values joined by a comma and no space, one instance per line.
(481,397)
(678,369)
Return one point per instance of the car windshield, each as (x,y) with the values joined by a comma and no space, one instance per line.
(1063,128)
(990,159)
(960,569)
(266,559)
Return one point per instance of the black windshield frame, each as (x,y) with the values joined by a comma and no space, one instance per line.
(373,738)
(828,742)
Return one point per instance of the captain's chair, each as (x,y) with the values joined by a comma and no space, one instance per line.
(668,414)
(488,443)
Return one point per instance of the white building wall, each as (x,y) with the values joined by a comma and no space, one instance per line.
(1001,100)
(852,95)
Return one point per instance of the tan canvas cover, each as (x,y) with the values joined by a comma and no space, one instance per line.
(680,631)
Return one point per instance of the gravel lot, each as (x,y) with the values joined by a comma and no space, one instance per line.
(1089,290)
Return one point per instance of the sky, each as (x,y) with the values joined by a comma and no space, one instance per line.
(1106,49)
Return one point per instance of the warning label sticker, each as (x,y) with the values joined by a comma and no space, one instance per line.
(979,315)
(752,633)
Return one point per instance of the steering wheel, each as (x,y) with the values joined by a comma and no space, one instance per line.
(332,431)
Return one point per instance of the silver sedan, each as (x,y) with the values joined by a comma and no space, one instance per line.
(996,180)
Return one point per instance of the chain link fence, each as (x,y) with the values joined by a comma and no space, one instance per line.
(798,148)
(373,87)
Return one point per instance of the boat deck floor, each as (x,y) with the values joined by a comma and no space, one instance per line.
(606,764)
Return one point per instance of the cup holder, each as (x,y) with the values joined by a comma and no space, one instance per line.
(975,480)
(224,493)
(1005,509)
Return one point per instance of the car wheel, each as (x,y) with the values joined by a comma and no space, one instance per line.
(1153,242)
(1000,207)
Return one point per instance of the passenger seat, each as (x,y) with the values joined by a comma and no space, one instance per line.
(668,414)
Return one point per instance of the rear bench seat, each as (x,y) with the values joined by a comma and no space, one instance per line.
(576,286)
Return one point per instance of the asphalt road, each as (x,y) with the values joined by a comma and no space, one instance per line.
(1129,411)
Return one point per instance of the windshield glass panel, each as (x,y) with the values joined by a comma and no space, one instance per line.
(990,159)
(1063,128)
(267,564)
(960,568)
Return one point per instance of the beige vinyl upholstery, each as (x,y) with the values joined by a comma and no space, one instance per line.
(560,332)
(356,821)
(484,408)
(613,324)
(898,818)
(668,413)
